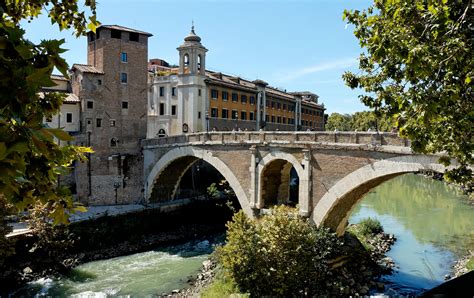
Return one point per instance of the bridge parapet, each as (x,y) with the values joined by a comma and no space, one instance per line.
(282,137)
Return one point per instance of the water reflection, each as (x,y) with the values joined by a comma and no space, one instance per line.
(431,221)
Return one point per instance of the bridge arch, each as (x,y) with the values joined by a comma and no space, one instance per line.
(282,162)
(334,208)
(188,155)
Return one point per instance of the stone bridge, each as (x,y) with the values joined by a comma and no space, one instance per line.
(334,169)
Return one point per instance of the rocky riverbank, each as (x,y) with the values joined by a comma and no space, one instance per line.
(109,237)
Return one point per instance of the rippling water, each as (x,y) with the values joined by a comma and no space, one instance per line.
(144,274)
(432,223)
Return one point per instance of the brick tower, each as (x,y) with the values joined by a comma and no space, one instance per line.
(112,88)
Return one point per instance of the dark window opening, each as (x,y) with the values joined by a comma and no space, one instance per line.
(251,116)
(162,108)
(113,142)
(243,115)
(235,97)
(112,123)
(68,117)
(252,100)
(214,93)
(199,115)
(90,104)
(225,113)
(98,122)
(225,95)
(124,104)
(173,110)
(123,78)
(214,113)
(162,91)
(173,91)
(199,92)
(99,82)
(243,98)
(132,36)
(116,34)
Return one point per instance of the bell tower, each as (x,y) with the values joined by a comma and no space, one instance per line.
(192,55)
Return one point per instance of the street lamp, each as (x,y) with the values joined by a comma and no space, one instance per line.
(207,121)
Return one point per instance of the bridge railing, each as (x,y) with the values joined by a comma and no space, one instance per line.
(282,137)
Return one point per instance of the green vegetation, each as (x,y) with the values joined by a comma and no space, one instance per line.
(470,264)
(370,226)
(222,286)
(360,121)
(417,67)
(279,254)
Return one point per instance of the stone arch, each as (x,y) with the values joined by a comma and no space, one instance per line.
(288,159)
(192,154)
(334,208)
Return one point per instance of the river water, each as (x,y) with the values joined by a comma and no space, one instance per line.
(432,223)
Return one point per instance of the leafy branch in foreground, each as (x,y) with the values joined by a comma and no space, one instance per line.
(30,156)
(417,67)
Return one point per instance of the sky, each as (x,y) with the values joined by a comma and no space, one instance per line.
(296,45)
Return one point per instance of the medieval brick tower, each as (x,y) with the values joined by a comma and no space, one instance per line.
(112,88)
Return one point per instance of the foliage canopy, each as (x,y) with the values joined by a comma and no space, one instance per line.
(418,67)
(30,158)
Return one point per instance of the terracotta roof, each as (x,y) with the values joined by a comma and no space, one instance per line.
(122,28)
(86,68)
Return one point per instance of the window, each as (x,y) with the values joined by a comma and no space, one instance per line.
(173,110)
(68,117)
(235,115)
(162,91)
(273,104)
(278,119)
(124,104)
(284,120)
(310,123)
(243,99)
(116,34)
(235,97)
(284,106)
(132,36)
(225,95)
(214,113)
(225,113)
(112,122)
(214,94)
(162,108)
(113,142)
(98,122)
(199,62)
(199,115)
(278,105)
(186,60)
(123,78)
(199,92)
(251,116)
(252,99)
(273,119)
(243,115)
(99,82)
(173,91)
(267,103)
(90,104)
(49,119)
(124,57)
(267,118)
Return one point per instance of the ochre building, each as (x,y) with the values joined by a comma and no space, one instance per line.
(189,98)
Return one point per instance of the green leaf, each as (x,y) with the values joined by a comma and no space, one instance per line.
(59,134)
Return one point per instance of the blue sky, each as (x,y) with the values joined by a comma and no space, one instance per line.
(299,45)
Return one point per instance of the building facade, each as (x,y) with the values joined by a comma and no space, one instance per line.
(112,91)
(190,98)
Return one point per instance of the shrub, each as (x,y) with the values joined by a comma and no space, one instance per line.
(370,226)
(6,244)
(280,254)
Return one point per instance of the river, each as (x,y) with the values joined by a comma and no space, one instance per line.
(433,225)
(431,221)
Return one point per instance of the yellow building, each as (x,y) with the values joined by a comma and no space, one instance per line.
(190,98)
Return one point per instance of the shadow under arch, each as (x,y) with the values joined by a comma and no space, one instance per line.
(282,162)
(181,159)
(334,208)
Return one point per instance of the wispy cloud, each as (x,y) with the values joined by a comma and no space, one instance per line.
(325,66)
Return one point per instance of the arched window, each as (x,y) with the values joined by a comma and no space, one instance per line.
(186,59)
(161,133)
(199,62)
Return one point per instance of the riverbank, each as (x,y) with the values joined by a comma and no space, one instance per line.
(109,237)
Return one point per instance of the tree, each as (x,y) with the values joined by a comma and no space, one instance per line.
(418,67)
(338,121)
(30,158)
